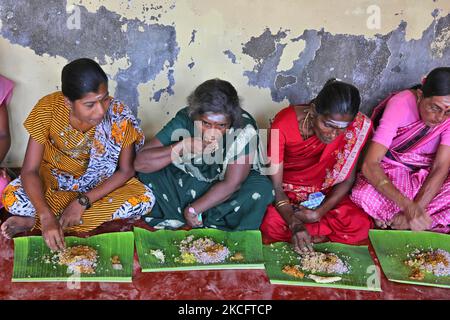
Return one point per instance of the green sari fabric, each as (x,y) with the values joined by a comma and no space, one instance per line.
(183,181)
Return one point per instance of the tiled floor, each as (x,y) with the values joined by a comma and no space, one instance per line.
(229,284)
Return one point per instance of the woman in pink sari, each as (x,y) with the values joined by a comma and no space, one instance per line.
(405,182)
(6,89)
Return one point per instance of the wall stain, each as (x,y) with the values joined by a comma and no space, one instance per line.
(41,25)
(230,56)
(376,66)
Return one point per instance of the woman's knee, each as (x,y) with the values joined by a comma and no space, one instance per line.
(16,201)
(8,197)
(260,188)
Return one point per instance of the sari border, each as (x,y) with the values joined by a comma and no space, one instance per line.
(345,169)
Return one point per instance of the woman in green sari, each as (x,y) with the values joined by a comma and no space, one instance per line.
(204,166)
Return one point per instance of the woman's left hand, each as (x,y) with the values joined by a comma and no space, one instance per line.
(307,215)
(192,219)
(71,216)
(417,216)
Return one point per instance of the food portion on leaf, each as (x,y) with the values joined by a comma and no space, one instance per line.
(202,250)
(79,259)
(318,262)
(436,262)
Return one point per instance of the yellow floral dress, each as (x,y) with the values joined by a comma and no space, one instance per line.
(74,162)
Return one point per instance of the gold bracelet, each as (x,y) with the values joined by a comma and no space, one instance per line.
(281,203)
(382,183)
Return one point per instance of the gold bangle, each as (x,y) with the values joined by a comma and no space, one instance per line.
(281,203)
(382,183)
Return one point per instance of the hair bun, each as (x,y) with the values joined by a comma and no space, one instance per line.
(424,79)
(332,80)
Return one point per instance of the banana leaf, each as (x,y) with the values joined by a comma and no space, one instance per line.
(363,273)
(31,253)
(393,246)
(248,243)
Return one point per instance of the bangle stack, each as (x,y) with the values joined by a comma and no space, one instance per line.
(281,203)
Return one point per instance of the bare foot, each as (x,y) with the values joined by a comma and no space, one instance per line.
(399,222)
(15,225)
(381,224)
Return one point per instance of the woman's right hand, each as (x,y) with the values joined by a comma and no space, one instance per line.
(193,146)
(418,218)
(52,232)
(301,239)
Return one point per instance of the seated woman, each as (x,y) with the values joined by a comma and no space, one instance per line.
(6,90)
(211,177)
(78,168)
(405,182)
(316,148)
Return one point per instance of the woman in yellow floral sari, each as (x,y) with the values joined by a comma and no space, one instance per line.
(78,168)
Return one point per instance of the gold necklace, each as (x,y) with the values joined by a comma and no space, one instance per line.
(304,124)
(83,146)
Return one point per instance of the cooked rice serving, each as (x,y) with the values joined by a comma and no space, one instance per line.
(202,250)
(116,264)
(436,262)
(79,259)
(319,262)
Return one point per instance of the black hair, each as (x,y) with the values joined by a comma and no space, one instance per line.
(80,77)
(437,83)
(217,96)
(337,97)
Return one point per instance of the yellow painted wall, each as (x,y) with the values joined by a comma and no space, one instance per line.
(221,25)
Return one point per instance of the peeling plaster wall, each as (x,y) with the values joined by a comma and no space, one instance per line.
(274,52)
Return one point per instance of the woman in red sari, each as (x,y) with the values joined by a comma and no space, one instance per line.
(317,149)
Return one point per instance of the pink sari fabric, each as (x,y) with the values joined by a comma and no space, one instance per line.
(6,90)
(3,183)
(409,183)
(407,166)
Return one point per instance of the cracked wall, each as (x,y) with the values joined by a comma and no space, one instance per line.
(275,53)
(376,66)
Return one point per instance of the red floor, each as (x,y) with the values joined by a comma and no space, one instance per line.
(229,284)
